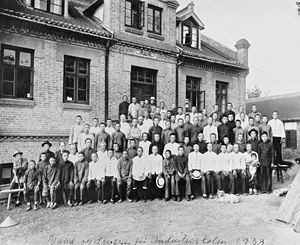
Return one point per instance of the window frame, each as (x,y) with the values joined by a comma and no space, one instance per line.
(76,78)
(16,67)
(220,95)
(3,166)
(290,142)
(141,14)
(154,8)
(200,102)
(48,7)
(190,24)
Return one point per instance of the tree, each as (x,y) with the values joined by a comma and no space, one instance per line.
(254,92)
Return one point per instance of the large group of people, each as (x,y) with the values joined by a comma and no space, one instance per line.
(152,152)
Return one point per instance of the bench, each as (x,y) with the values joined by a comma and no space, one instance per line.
(278,168)
(9,195)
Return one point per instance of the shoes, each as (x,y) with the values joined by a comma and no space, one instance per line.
(237,194)
(54,205)
(204,195)
(174,198)
(192,197)
(135,200)
(18,203)
(112,200)
(76,203)
(129,200)
(178,199)
(105,201)
(245,194)
(48,205)
(255,192)
(250,191)
(28,207)
(81,203)
(166,199)
(210,196)
(120,201)
(188,198)
(90,201)
(35,207)
(70,204)
(144,200)
(99,201)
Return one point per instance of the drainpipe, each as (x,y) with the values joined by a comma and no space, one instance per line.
(178,63)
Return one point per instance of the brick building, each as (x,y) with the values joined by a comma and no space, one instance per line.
(61,58)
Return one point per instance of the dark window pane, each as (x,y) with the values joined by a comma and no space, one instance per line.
(70,65)
(8,88)
(188,84)
(157,21)
(40,4)
(82,95)
(82,67)
(9,56)
(82,83)
(23,83)
(194,99)
(70,82)
(56,6)
(8,73)
(141,77)
(25,59)
(70,95)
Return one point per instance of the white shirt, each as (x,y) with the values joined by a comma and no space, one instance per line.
(95,130)
(102,155)
(248,158)
(110,130)
(208,130)
(96,170)
(125,128)
(73,158)
(173,147)
(110,167)
(139,167)
(143,128)
(209,161)
(238,117)
(244,124)
(223,162)
(162,123)
(277,128)
(192,115)
(145,146)
(148,123)
(155,164)
(237,161)
(81,140)
(195,161)
(180,116)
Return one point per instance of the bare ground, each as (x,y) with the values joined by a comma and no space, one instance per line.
(250,222)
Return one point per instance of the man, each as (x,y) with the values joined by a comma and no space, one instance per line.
(174,124)
(132,150)
(75,131)
(155,170)
(265,127)
(240,112)
(188,127)
(58,154)
(42,163)
(102,136)
(157,141)
(241,142)
(179,132)
(73,157)
(202,120)
(148,123)
(195,130)
(225,130)
(124,175)
(187,148)
(19,169)
(152,106)
(147,106)
(216,112)
(119,138)
(88,150)
(117,153)
(239,130)
(32,183)
(169,175)
(85,135)
(229,111)
(180,114)
(193,114)
(145,144)
(135,132)
(51,183)
(209,162)
(244,121)
(216,120)
(257,120)
(195,164)
(228,145)
(141,125)
(81,173)
(201,143)
(166,133)
(124,126)
(182,174)
(266,159)
(139,175)
(231,121)
(253,111)
(173,109)
(225,170)
(252,126)
(47,145)
(143,108)
(123,106)
(102,153)
(163,120)
(214,143)
(66,178)
(109,127)
(155,129)
(134,109)
(253,139)
(95,129)
(172,146)
(162,107)
(278,136)
(96,172)
(209,129)
(239,169)
(248,160)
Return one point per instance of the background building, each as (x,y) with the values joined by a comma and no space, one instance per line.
(68,57)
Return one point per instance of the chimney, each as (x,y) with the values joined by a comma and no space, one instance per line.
(242,47)
(66,8)
(191,5)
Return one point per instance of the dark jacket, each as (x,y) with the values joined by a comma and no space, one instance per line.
(254,144)
(179,132)
(124,169)
(181,164)
(196,129)
(160,146)
(81,171)
(266,153)
(168,166)
(119,138)
(188,130)
(225,130)
(88,154)
(154,130)
(51,175)
(48,155)
(123,108)
(32,177)
(66,172)
(202,146)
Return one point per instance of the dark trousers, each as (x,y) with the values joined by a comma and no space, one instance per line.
(35,189)
(109,181)
(124,182)
(153,190)
(217,180)
(79,188)
(277,149)
(187,180)
(94,184)
(227,181)
(143,185)
(14,185)
(50,192)
(169,183)
(266,178)
(240,181)
(68,189)
(210,185)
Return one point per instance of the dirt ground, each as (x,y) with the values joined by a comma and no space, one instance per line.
(250,222)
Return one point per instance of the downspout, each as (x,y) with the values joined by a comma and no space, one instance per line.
(178,63)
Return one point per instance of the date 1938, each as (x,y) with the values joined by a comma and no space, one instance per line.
(250,241)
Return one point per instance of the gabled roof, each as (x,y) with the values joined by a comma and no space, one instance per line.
(287,105)
(188,12)
(76,21)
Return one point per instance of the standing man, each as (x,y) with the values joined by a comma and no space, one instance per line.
(169,175)
(47,145)
(109,127)
(265,127)
(58,154)
(88,150)
(278,136)
(96,170)
(225,130)
(125,127)
(195,130)
(193,114)
(188,127)
(167,132)
(239,130)
(134,109)
(119,138)
(76,130)
(155,129)
(135,132)
(102,136)
(157,141)
(172,146)
(81,174)
(83,136)
(95,129)
(209,129)
(123,106)
(229,110)
(254,111)
(145,144)
(179,132)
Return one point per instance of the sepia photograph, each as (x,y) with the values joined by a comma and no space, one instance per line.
(149,122)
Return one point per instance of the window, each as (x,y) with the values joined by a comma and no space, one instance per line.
(154,19)
(76,80)
(6,173)
(291,139)
(194,95)
(190,34)
(221,95)
(52,6)
(143,83)
(16,72)
(134,13)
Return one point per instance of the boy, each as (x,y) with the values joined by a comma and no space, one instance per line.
(169,175)
(73,157)
(75,131)
(51,183)
(88,150)
(32,183)
(132,149)
(95,129)
(145,144)
(80,177)
(109,127)
(102,136)
(252,173)
(58,154)
(119,138)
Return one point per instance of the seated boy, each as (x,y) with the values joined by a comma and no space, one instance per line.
(81,172)
(252,173)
